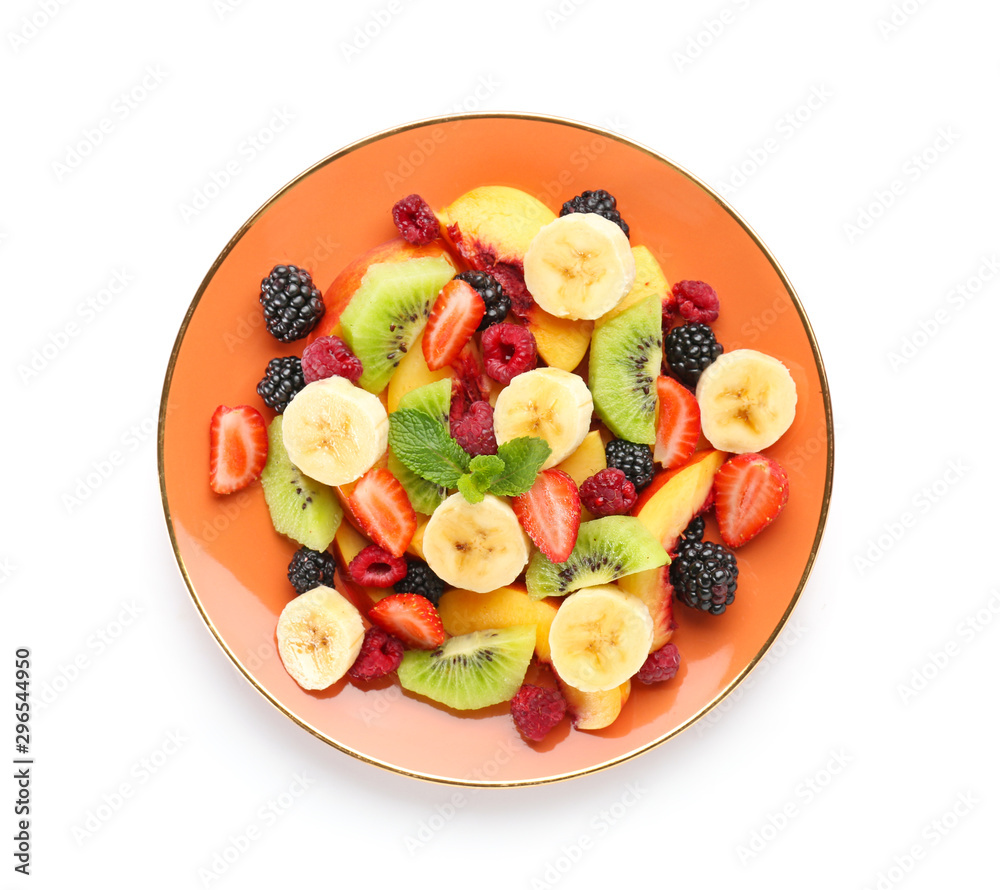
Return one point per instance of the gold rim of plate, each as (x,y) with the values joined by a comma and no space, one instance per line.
(820,367)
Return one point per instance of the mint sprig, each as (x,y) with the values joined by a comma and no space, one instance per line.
(522,459)
(423,445)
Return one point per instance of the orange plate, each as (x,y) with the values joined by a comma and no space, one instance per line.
(234,562)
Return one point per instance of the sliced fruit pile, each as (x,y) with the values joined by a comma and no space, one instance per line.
(494,452)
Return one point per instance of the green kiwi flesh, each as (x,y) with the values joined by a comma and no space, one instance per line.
(388,311)
(606,549)
(302,508)
(474,670)
(625,356)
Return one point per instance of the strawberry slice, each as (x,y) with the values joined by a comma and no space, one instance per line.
(456,314)
(549,512)
(382,508)
(678,423)
(750,491)
(410,617)
(237,448)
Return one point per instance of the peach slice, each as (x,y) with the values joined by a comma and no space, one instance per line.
(411,374)
(561,342)
(667,505)
(588,459)
(463,611)
(649,281)
(595,710)
(491,227)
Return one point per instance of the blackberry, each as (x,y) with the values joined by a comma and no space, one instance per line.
(292,306)
(634,460)
(282,381)
(421,580)
(703,575)
(496,300)
(695,530)
(311,568)
(600,202)
(689,349)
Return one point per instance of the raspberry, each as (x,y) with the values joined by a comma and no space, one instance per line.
(292,305)
(375,567)
(380,654)
(696,301)
(421,580)
(536,710)
(282,382)
(508,350)
(415,220)
(474,430)
(659,665)
(608,493)
(310,568)
(330,357)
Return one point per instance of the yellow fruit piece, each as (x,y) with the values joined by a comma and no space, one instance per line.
(587,460)
(649,281)
(412,373)
(463,611)
(497,218)
(561,342)
(416,547)
(595,710)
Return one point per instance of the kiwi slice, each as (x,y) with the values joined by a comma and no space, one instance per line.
(606,549)
(474,670)
(388,311)
(302,508)
(625,356)
(425,496)
(434,399)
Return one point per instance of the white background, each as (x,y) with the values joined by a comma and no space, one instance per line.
(880,783)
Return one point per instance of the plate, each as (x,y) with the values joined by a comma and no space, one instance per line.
(233,561)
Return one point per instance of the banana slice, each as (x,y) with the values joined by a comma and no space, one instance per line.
(549,403)
(747,401)
(579,266)
(334,431)
(600,637)
(479,547)
(319,637)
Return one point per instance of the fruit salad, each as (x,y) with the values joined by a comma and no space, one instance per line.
(494,452)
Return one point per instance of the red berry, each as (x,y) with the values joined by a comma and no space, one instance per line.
(474,430)
(696,301)
(411,617)
(457,312)
(380,654)
(415,220)
(678,423)
(383,510)
(536,710)
(508,350)
(330,357)
(659,665)
(375,567)
(549,512)
(469,383)
(237,448)
(608,493)
(750,491)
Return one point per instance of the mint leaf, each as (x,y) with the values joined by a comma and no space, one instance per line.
(522,458)
(423,445)
(483,471)
(470,489)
